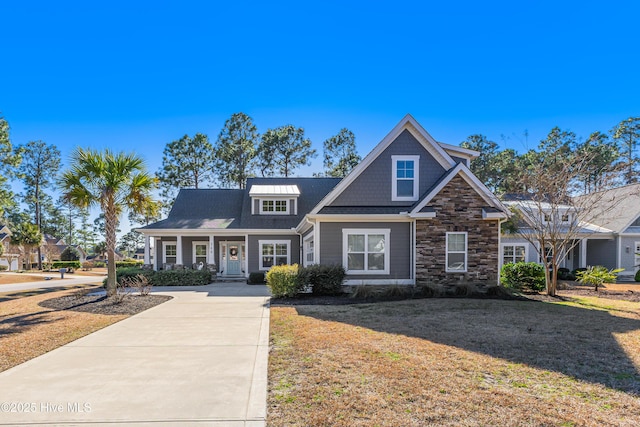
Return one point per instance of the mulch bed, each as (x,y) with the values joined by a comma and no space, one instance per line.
(100,304)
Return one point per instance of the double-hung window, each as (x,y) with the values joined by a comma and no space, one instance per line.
(274,252)
(169,252)
(309,252)
(366,251)
(513,253)
(405,177)
(456,261)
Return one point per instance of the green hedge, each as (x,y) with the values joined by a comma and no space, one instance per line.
(3,267)
(523,276)
(66,264)
(256,278)
(323,279)
(637,278)
(166,277)
(128,264)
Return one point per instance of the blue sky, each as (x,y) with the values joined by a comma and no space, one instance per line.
(136,75)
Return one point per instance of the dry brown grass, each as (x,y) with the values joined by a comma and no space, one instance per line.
(29,329)
(456,362)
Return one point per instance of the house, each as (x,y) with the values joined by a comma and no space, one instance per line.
(53,248)
(11,253)
(611,239)
(410,213)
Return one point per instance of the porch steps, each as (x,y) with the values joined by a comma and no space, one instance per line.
(222,279)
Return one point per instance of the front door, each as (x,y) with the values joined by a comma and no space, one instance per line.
(232,258)
(637,257)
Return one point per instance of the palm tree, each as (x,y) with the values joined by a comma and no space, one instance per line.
(28,236)
(112,181)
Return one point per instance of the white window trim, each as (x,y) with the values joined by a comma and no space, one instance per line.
(447,252)
(274,212)
(366,231)
(164,250)
(394,178)
(193,250)
(273,242)
(503,245)
(305,251)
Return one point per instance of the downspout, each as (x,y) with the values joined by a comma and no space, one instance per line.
(500,222)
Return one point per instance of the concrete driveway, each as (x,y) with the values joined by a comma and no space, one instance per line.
(199,359)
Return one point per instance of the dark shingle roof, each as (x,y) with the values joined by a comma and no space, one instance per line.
(231,209)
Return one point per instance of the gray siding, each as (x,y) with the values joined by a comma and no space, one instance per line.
(628,259)
(601,252)
(400,247)
(253,251)
(373,186)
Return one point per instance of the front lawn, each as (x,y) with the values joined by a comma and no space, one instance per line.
(456,362)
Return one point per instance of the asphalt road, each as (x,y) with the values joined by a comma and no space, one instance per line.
(55,282)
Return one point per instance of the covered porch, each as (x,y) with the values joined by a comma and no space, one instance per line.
(224,254)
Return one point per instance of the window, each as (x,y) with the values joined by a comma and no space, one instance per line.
(404,185)
(456,261)
(565,218)
(274,207)
(169,252)
(274,252)
(309,251)
(514,253)
(366,251)
(547,218)
(200,252)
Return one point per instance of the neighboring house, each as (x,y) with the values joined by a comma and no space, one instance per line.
(410,213)
(103,257)
(139,254)
(612,241)
(53,248)
(11,253)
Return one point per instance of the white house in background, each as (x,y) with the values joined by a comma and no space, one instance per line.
(9,257)
(612,241)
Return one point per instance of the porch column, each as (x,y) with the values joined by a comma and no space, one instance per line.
(147,243)
(179,259)
(156,241)
(583,253)
(211,252)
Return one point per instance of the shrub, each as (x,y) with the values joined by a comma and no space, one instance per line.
(323,279)
(523,276)
(180,277)
(256,278)
(70,254)
(575,272)
(87,265)
(3,267)
(637,278)
(565,274)
(165,277)
(99,264)
(66,264)
(283,280)
(128,264)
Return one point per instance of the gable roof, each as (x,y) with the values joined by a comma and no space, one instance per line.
(464,172)
(417,131)
(625,210)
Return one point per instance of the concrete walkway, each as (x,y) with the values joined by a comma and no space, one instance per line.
(199,359)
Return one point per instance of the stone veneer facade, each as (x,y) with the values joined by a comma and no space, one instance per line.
(458,208)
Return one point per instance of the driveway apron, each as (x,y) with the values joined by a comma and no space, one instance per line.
(198,359)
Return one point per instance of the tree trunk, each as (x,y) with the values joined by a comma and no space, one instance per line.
(111,220)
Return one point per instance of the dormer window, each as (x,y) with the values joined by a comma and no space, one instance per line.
(274,199)
(405,177)
(274,206)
